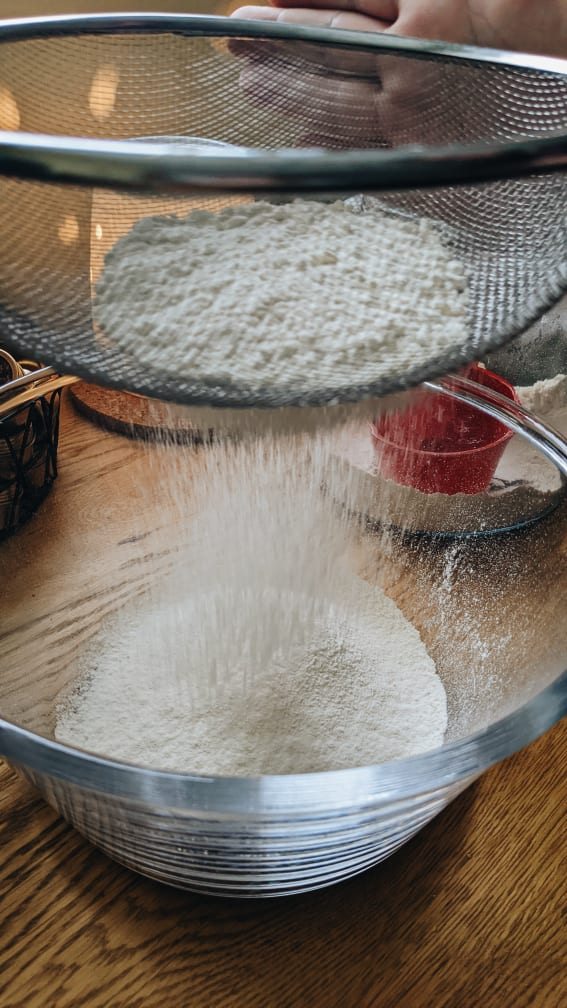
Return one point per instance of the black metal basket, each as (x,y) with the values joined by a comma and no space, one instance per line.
(28,457)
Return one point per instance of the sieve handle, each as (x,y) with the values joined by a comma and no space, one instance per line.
(514,416)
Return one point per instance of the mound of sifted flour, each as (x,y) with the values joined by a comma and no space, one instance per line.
(303,294)
(351,692)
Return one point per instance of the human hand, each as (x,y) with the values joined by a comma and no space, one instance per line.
(536,26)
(340,98)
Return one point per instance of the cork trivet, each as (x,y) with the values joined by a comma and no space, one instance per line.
(136,416)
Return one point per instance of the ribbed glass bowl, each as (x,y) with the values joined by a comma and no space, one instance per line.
(490,609)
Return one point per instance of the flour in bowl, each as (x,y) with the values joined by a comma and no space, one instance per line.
(261,650)
(351,692)
(300,294)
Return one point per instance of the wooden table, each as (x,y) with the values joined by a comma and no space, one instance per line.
(467,914)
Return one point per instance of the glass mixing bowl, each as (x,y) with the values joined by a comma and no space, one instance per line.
(489,607)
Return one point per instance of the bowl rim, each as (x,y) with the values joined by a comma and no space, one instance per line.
(145,166)
(326,793)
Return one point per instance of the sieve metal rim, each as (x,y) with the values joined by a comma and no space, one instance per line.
(157,166)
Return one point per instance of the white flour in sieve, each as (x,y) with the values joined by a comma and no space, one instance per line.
(354,692)
(272,295)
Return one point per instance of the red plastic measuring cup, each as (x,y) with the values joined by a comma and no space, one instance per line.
(440,445)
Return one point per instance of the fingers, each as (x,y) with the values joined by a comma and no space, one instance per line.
(379,10)
(332,110)
(319,18)
(505,24)
(450,20)
(309,57)
(327,94)
(332,97)
(256,13)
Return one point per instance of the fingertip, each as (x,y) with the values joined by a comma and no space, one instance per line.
(347,21)
(255,14)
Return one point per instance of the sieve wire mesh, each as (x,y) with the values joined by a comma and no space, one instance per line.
(120,79)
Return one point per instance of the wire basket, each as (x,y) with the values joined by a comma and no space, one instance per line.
(29,437)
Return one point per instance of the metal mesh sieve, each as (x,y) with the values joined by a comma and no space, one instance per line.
(474,141)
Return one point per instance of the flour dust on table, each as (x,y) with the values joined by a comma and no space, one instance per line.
(262,651)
